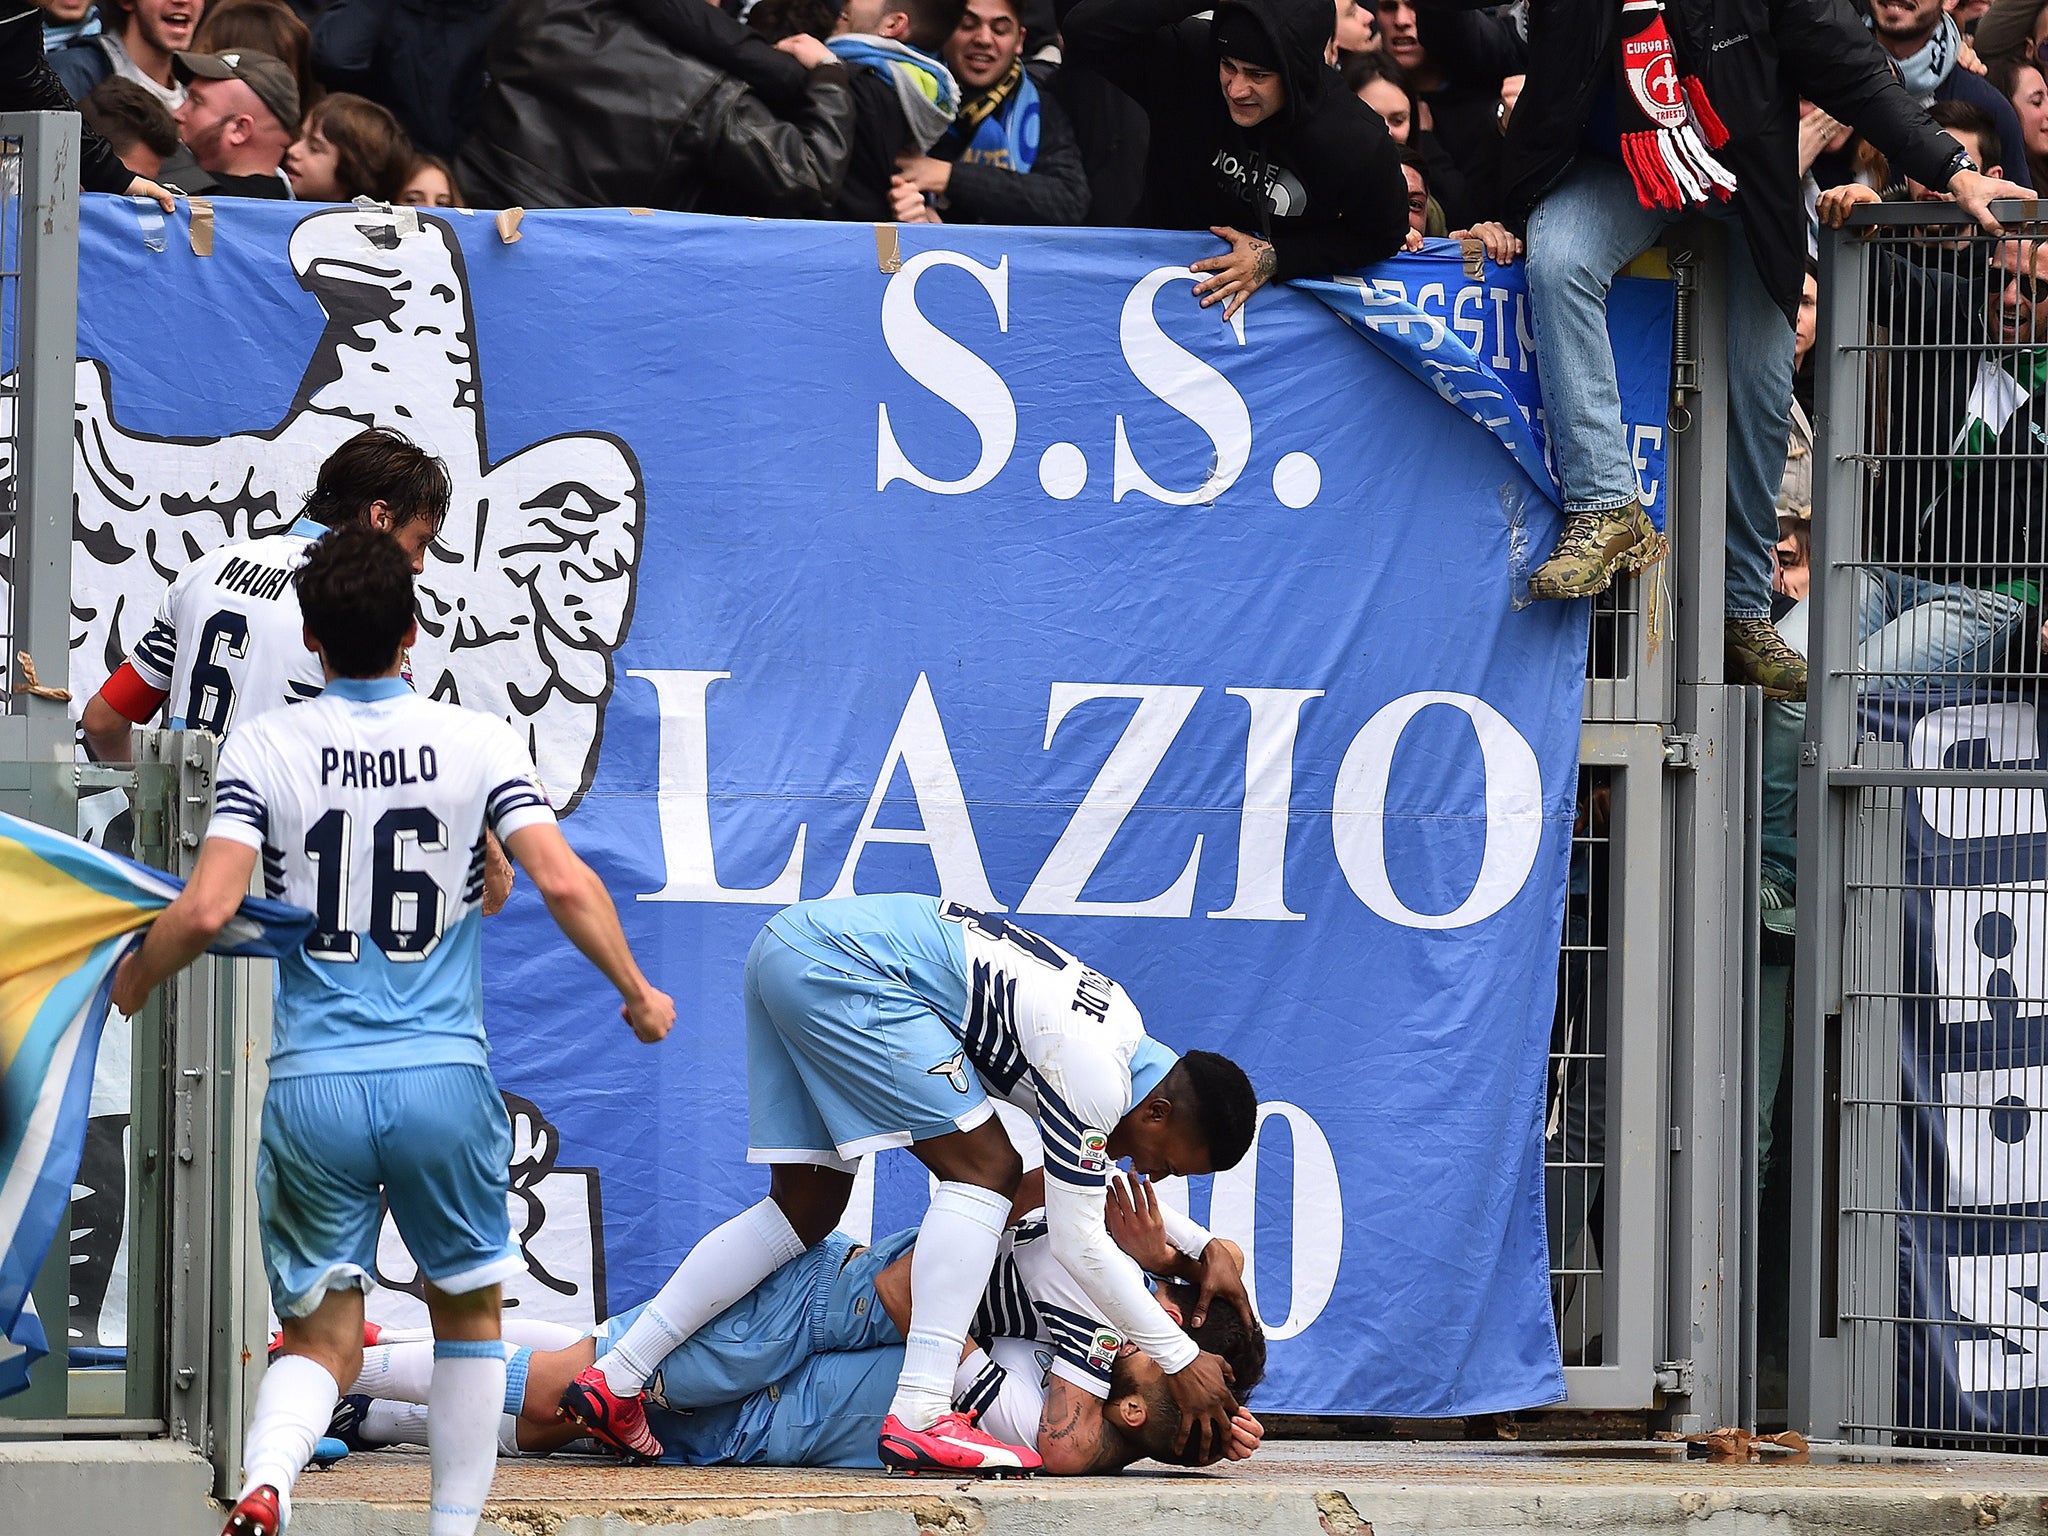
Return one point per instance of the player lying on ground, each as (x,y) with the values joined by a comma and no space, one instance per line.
(888,1021)
(800,1372)
(369,805)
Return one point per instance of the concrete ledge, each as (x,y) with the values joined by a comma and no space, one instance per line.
(107,1485)
(1313,1489)
(1298,1489)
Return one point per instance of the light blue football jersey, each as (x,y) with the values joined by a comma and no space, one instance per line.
(369,806)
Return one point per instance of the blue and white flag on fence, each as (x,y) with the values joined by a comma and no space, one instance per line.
(819,558)
(68,913)
(1972,989)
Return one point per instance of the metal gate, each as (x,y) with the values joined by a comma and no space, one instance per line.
(1921,1035)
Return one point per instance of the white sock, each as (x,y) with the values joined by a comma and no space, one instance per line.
(534,1333)
(294,1406)
(398,1373)
(508,1435)
(387,1423)
(725,1265)
(463,1409)
(956,1248)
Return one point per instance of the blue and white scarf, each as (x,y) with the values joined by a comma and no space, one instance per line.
(924,87)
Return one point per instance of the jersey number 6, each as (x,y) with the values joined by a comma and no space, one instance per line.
(406,906)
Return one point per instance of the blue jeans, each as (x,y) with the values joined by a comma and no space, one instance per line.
(1581,234)
(1912,629)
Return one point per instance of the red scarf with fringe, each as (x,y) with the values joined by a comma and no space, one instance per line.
(1669,129)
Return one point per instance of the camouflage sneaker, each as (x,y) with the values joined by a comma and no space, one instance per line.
(1594,549)
(1758,654)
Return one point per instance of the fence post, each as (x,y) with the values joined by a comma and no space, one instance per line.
(1707,1134)
(1816,1364)
(39,280)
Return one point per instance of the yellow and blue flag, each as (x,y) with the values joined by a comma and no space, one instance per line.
(68,913)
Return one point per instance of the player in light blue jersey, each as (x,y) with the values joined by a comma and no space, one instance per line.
(370,805)
(800,1371)
(891,1021)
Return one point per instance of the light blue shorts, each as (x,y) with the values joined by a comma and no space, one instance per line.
(848,1055)
(432,1141)
(827,1413)
(817,1304)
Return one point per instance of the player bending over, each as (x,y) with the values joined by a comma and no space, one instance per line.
(887,1021)
(369,805)
(800,1371)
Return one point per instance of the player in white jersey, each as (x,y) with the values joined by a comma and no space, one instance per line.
(800,1371)
(370,805)
(889,1021)
(227,645)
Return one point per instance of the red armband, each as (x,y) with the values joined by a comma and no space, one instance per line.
(130,697)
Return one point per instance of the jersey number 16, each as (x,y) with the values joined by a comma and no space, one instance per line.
(406,907)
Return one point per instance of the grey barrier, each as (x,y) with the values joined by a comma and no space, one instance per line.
(1920,1212)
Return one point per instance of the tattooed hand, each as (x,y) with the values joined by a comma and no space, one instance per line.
(1236,277)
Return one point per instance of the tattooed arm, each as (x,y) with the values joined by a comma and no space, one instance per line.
(1074,1433)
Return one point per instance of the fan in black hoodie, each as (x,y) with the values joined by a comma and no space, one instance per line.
(1316,187)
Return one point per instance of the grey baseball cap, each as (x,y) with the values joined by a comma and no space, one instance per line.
(268,76)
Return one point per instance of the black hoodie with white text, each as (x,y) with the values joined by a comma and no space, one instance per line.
(1320,178)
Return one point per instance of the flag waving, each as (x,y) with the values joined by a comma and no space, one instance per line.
(68,913)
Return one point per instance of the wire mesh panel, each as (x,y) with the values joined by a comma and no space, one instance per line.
(1575,1128)
(1932,556)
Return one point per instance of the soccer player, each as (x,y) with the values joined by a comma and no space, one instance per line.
(369,805)
(227,643)
(800,1371)
(887,1021)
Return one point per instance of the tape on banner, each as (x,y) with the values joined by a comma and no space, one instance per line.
(149,218)
(202,226)
(1475,259)
(888,249)
(641,213)
(508,225)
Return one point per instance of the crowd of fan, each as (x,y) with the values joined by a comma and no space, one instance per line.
(1378,124)
(655,103)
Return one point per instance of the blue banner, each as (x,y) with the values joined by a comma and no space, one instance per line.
(1472,339)
(820,558)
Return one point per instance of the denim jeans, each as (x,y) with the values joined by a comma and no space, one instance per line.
(1581,234)
(1912,629)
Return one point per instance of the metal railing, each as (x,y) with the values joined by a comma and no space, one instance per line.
(1921,1029)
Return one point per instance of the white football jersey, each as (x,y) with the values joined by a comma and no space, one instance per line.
(228,644)
(1054,1036)
(369,806)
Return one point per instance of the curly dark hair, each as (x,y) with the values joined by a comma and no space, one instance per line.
(355,594)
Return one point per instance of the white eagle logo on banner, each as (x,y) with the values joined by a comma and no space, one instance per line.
(527,592)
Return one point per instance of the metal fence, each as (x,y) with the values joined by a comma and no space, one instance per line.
(1921,1034)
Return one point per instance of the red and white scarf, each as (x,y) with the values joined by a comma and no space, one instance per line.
(1669,129)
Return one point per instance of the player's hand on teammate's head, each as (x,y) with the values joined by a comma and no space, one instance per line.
(1246,1435)
(1202,1388)
(1223,1276)
(652,1015)
(1135,1225)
